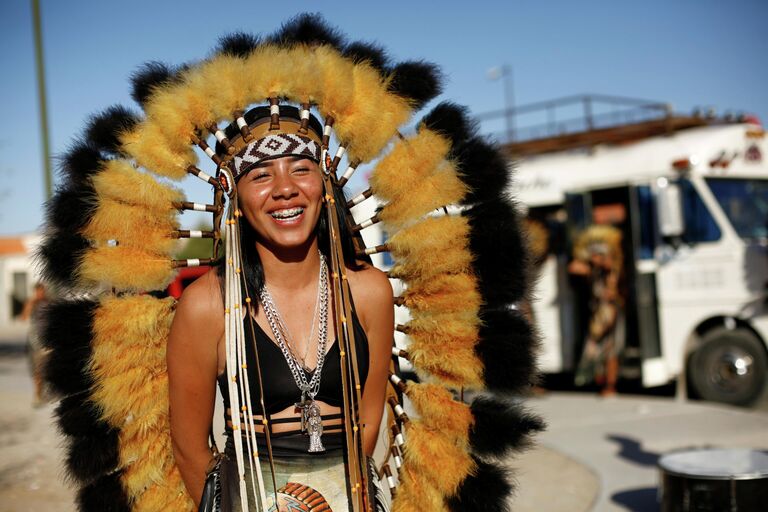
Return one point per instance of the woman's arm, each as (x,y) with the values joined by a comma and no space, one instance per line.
(192,357)
(375,308)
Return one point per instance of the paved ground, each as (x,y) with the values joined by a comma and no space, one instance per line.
(597,455)
(31,455)
(622,438)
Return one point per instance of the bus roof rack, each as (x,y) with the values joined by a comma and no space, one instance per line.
(583,121)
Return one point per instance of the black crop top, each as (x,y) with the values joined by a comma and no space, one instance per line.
(280,390)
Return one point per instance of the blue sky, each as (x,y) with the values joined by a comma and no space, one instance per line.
(686,52)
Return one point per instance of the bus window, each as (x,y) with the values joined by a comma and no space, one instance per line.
(700,226)
(648,222)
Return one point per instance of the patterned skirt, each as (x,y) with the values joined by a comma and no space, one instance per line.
(304,482)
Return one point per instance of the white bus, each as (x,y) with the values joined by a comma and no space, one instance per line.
(693,197)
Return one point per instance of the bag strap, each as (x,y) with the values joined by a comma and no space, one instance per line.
(212,440)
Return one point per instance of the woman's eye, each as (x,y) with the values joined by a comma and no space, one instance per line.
(260,175)
(301,170)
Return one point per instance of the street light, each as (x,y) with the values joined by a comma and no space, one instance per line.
(505,71)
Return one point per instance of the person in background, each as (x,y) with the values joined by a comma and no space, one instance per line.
(598,259)
(37,353)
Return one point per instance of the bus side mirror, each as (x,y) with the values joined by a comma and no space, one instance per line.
(670,211)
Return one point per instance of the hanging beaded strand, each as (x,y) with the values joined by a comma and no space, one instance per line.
(356,472)
(231,346)
(247,407)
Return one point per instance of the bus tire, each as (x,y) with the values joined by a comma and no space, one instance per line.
(730,366)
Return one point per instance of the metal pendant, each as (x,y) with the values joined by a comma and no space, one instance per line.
(314,423)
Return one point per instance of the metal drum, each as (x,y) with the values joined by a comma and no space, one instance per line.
(714,481)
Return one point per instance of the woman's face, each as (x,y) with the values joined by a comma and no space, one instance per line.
(282,199)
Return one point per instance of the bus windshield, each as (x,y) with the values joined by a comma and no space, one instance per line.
(745,202)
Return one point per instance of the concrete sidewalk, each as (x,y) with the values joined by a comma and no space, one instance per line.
(597,454)
(620,440)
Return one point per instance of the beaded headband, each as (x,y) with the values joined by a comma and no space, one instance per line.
(273,134)
(275,146)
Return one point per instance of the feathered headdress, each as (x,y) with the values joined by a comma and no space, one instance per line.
(453,235)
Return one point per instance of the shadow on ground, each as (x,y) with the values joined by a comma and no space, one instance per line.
(637,500)
(633,451)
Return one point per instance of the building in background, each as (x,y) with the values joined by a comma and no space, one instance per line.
(18,276)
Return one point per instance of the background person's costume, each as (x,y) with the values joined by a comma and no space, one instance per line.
(112,227)
(605,331)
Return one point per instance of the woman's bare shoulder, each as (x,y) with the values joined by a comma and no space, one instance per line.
(201,302)
(371,290)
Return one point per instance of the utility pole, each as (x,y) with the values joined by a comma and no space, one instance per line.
(505,71)
(42,98)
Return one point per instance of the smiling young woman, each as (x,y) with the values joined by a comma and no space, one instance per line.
(282,199)
(293,324)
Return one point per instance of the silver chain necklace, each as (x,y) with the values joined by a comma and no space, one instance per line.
(311,421)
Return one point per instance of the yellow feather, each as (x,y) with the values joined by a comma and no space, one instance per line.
(437,458)
(176,110)
(144,460)
(459,328)
(221,80)
(335,90)
(435,191)
(445,293)
(282,76)
(125,268)
(451,260)
(141,392)
(438,410)
(139,320)
(148,146)
(416,494)
(432,235)
(122,182)
(410,161)
(256,83)
(455,366)
(170,495)
(373,117)
(434,246)
(304,68)
(133,226)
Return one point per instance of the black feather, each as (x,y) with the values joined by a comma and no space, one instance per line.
(416,81)
(104,129)
(488,490)
(500,251)
(78,416)
(371,53)
(507,346)
(237,44)
(71,208)
(307,28)
(81,161)
(68,331)
(451,120)
(483,168)
(501,426)
(148,77)
(59,255)
(104,495)
(92,456)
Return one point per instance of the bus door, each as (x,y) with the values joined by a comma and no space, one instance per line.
(574,312)
(643,223)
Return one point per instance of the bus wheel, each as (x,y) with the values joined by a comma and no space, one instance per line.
(729,367)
